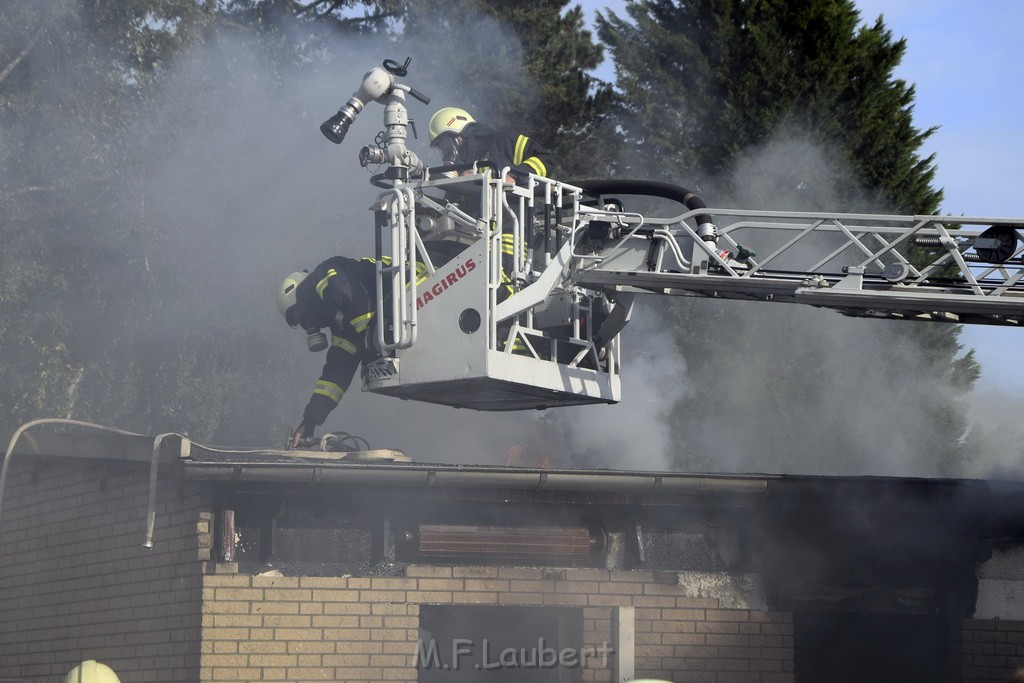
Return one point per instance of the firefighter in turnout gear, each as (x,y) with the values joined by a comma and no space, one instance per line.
(340,295)
(461,140)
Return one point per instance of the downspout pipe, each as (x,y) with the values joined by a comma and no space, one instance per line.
(151,505)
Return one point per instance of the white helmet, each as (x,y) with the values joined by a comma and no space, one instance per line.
(286,296)
(91,671)
(448,120)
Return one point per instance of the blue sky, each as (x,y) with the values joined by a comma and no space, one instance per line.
(967,63)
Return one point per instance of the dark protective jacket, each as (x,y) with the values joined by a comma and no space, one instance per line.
(501,149)
(340,294)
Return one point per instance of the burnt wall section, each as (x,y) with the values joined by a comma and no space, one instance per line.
(76,583)
(873,546)
(853,647)
(316,531)
(818,545)
(291,628)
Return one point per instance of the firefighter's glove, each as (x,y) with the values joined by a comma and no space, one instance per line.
(303,431)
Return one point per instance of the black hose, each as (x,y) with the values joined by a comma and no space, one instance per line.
(647,188)
(457,168)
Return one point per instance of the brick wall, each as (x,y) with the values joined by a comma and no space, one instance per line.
(76,584)
(307,629)
(988,650)
(365,629)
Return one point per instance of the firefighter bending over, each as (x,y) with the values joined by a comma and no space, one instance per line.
(461,140)
(340,295)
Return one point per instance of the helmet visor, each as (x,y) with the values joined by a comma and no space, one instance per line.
(450,146)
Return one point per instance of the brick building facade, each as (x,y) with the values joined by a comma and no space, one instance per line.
(268,567)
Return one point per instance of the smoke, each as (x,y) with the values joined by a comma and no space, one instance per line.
(635,433)
(882,399)
(257,193)
(224,186)
(809,392)
(237,188)
(232,187)
(996,438)
(251,193)
(789,389)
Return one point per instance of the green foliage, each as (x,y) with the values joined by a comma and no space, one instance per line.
(568,104)
(702,81)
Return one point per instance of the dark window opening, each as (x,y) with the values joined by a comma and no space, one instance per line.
(299,549)
(486,644)
(881,648)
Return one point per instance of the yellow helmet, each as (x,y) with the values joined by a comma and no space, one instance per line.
(286,296)
(448,120)
(91,671)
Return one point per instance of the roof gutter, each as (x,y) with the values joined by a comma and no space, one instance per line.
(447,476)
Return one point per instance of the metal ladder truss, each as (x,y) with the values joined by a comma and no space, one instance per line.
(942,268)
(575,252)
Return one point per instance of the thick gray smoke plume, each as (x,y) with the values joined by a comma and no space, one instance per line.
(785,388)
(789,389)
(253,192)
(996,440)
(635,433)
(258,193)
(178,269)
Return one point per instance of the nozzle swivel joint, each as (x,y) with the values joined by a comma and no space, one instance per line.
(377,82)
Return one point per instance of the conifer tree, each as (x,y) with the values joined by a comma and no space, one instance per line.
(702,81)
